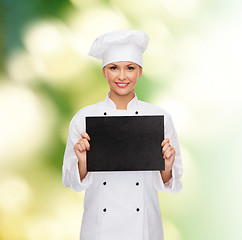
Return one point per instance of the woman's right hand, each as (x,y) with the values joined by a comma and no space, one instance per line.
(81,146)
(80,149)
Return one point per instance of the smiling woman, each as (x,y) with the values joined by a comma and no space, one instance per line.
(121,198)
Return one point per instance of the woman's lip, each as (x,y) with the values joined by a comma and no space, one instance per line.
(122,85)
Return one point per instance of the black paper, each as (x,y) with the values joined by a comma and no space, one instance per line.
(125,143)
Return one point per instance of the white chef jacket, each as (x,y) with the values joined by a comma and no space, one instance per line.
(121,205)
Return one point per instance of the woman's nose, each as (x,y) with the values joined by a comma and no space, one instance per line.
(122,75)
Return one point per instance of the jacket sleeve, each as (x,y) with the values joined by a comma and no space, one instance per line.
(174,184)
(70,172)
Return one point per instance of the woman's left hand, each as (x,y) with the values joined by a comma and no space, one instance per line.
(168,154)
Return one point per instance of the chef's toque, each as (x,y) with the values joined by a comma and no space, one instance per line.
(120,45)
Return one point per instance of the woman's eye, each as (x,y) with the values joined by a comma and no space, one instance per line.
(113,68)
(130,68)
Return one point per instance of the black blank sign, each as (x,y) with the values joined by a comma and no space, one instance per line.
(125,143)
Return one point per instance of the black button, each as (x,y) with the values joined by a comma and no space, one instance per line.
(136,112)
(137,184)
(104,183)
(105,113)
(137,209)
(104,209)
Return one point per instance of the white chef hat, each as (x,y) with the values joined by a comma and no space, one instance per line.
(120,45)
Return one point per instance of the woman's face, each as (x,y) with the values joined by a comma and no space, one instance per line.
(122,77)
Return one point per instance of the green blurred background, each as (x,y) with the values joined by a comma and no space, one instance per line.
(192,68)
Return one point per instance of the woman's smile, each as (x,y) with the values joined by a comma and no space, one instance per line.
(122,85)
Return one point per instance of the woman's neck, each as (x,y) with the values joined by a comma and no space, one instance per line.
(121,101)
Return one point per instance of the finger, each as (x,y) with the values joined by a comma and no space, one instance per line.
(86,144)
(170,153)
(85,135)
(78,148)
(167,140)
(167,151)
(80,140)
(83,146)
(165,147)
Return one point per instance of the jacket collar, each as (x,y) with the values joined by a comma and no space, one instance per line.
(133,104)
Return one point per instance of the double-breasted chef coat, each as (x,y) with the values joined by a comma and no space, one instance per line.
(120,205)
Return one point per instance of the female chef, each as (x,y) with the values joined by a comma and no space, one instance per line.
(120,205)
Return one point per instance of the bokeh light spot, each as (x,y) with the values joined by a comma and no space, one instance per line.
(15,194)
(24,124)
